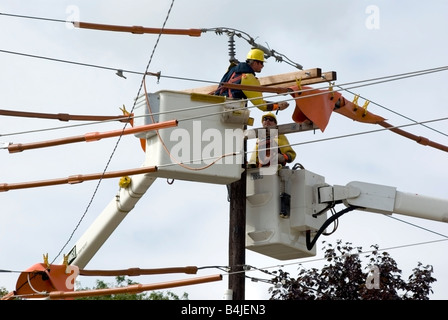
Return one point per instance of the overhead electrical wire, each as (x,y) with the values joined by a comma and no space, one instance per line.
(31,17)
(154,74)
(119,139)
(246,268)
(265,269)
(342,87)
(80,178)
(19,147)
(377,80)
(220,30)
(231,32)
(159,75)
(369,131)
(406,75)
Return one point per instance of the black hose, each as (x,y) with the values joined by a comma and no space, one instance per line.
(310,244)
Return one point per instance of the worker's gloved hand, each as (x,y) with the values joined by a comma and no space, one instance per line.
(281,159)
(283,105)
(251,165)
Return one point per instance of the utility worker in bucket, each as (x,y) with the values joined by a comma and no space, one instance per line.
(263,152)
(244,73)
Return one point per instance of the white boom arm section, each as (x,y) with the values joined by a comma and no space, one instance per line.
(384,199)
(106,223)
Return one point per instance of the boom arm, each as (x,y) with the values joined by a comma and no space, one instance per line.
(385,199)
(106,223)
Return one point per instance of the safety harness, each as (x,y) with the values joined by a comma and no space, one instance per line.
(222,91)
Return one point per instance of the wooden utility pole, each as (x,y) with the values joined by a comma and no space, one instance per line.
(237,235)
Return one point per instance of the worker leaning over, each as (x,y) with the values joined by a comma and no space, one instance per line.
(263,153)
(244,73)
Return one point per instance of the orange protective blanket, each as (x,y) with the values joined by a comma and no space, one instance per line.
(317,105)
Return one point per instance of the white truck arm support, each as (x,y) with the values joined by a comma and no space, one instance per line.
(385,199)
(105,224)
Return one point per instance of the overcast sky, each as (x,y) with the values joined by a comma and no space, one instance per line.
(186,223)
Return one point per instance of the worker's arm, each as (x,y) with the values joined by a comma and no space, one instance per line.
(285,149)
(253,158)
(257,97)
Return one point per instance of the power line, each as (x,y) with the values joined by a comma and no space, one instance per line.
(173,77)
(342,87)
(367,132)
(231,32)
(158,74)
(30,17)
(118,141)
(218,31)
(282,265)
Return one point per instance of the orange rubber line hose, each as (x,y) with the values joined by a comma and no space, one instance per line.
(62,116)
(419,139)
(138,271)
(93,136)
(137,29)
(75,179)
(137,288)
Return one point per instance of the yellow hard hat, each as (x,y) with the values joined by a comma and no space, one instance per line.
(270,115)
(255,54)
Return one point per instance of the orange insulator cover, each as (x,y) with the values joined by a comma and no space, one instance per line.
(40,279)
(357,113)
(314,105)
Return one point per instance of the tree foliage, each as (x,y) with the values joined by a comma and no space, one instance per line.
(3,291)
(343,278)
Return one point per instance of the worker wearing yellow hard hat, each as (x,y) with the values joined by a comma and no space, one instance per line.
(270,116)
(255,54)
(244,73)
(264,152)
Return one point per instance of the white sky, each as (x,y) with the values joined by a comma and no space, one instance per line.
(186,223)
